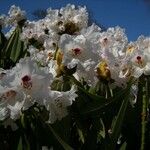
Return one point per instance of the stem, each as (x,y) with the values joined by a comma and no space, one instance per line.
(145,99)
(143,122)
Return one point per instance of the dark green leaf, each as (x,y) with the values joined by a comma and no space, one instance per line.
(10,43)
(17,50)
(3,41)
(123,147)
(98,104)
(64,144)
(14,48)
(20,146)
(119,120)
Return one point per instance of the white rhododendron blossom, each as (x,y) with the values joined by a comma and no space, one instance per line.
(57,103)
(113,40)
(10,98)
(78,16)
(16,15)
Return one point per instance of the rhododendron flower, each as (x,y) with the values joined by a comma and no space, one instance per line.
(58,102)
(16,15)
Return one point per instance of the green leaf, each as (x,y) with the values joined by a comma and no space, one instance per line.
(2,40)
(14,48)
(119,120)
(18,47)
(123,147)
(63,143)
(26,143)
(98,104)
(81,136)
(23,143)
(50,128)
(9,44)
(102,130)
(20,146)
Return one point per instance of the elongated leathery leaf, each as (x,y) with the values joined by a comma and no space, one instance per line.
(20,145)
(63,143)
(14,48)
(9,44)
(99,104)
(18,47)
(119,120)
(2,40)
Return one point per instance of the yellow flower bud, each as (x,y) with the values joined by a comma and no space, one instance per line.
(59,57)
(102,71)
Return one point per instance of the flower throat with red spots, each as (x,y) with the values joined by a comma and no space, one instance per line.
(76,51)
(26,82)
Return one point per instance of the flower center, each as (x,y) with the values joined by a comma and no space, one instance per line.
(130,49)
(26,78)
(26,82)
(138,58)
(8,94)
(104,42)
(140,61)
(76,51)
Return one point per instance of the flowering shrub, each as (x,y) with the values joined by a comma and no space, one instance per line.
(65,83)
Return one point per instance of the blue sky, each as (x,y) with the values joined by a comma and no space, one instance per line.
(133,15)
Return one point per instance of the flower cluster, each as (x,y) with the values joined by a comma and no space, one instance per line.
(63,43)
(27,84)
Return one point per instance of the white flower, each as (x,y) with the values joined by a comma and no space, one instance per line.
(52,67)
(76,48)
(28,31)
(78,16)
(51,42)
(92,33)
(16,15)
(37,55)
(34,30)
(30,79)
(137,57)
(9,99)
(58,102)
(15,110)
(80,51)
(113,40)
